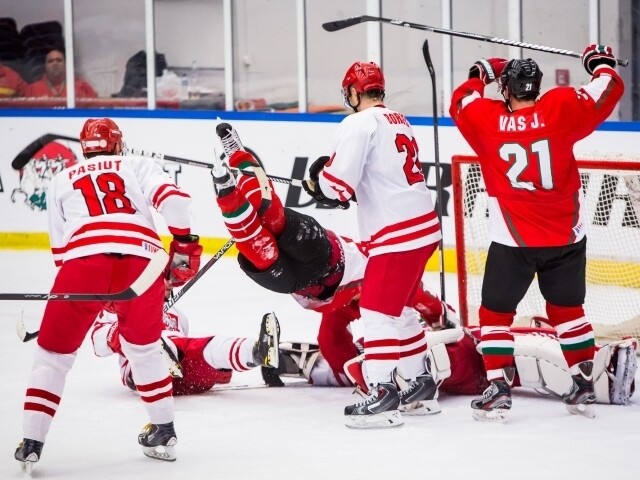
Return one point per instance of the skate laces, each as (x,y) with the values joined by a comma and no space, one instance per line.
(231,142)
(489,392)
(373,396)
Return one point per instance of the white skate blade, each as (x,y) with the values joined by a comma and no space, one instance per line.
(166,453)
(379,420)
(421,408)
(27,467)
(497,415)
(273,358)
(582,410)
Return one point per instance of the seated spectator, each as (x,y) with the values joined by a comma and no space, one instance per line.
(11,83)
(53,81)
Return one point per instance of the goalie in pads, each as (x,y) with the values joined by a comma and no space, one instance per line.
(456,365)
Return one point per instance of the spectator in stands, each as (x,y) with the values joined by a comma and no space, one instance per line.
(53,82)
(11,83)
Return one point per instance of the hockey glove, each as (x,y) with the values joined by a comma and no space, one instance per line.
(312,187)
(488,69)
(184,259)
(113,339)
(595,55)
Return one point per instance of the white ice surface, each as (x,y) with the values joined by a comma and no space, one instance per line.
(287,433)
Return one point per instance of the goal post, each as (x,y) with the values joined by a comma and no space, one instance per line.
(611,188)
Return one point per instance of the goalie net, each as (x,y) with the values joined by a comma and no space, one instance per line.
(612,197)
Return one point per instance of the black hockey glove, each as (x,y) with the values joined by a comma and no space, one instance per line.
(312,187)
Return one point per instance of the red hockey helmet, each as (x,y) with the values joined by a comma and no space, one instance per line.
(363,76)
(100,135)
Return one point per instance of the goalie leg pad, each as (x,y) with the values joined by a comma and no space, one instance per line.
(297,359)
(440,362)
(623,380)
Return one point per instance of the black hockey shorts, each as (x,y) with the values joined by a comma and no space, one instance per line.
(509,272)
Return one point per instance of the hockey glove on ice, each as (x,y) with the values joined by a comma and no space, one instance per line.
(113,339)
(184,259)
(488,69)
(595,55)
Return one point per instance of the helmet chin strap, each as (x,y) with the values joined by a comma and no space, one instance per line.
(355,108)
(347,102)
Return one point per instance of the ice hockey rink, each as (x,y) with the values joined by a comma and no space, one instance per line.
(295,432)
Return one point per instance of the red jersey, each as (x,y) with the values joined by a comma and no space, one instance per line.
(43,88)
(527,160)
(11,83)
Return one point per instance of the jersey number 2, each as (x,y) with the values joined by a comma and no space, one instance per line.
(412,167)
(114,200)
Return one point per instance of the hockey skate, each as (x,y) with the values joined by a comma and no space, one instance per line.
(239,158)
(265,350)
(420,396)
(581,396)
(379,409)
(158,441)
(495,403)
(223,179)
(28,453)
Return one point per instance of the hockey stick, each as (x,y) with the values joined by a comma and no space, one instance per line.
(175,297)
(195,163)
(349,22)
(246,386)
(21,330)
(30,150)
(140,285)
(436,148)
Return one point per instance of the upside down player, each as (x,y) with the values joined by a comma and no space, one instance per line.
(203,361)
(287,252)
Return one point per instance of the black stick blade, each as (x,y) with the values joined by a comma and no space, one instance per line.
(340,24)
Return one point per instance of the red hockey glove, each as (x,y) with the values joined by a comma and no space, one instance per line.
(113,339)
(488,69)
(595,55)
(184,259)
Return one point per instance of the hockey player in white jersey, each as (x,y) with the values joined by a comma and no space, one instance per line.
(102,237)
(376,160)
(197,363)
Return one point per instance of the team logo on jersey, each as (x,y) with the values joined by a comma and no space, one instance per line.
(577,230)
(36,175)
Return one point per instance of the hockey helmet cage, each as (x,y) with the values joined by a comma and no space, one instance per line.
(363,76)
(523,78)
(100,135)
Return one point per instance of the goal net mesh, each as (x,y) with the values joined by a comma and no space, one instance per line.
(612,198)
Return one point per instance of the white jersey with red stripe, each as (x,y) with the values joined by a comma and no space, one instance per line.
(376,158)
(103,205)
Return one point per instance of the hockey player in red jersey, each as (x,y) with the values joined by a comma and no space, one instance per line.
(202,362)
(376,159)
(537,225)
(288,252)
(102,236)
